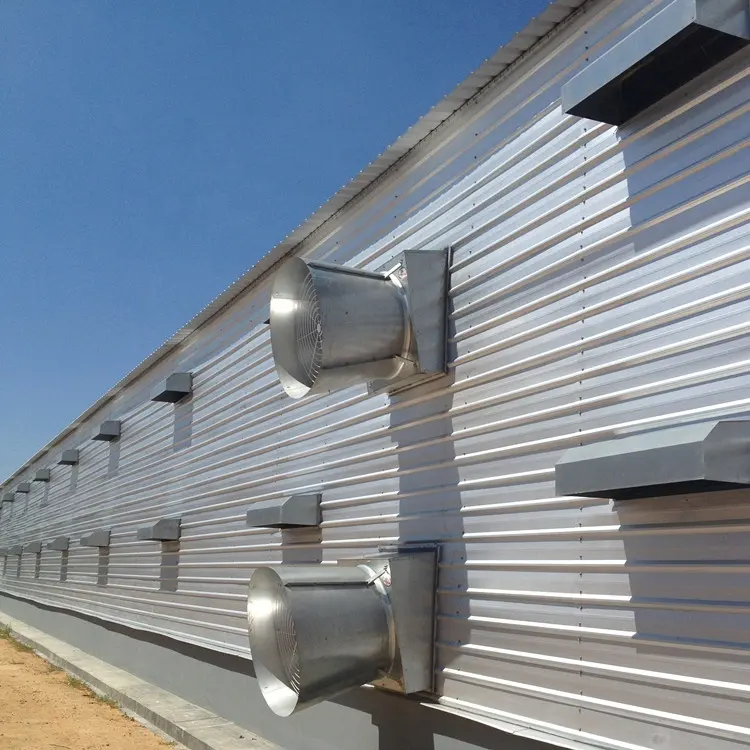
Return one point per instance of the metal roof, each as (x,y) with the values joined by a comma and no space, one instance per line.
(509,53)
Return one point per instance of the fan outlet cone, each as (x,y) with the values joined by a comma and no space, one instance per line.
(332,327)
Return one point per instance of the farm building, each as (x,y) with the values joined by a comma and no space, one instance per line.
(464,461)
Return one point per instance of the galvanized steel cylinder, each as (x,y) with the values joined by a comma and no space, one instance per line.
(333,326)
(315,632)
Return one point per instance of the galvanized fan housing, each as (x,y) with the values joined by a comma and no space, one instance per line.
(317,631)
(314,633)
(332,326)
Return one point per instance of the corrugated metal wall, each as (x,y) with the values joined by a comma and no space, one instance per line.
(600,287)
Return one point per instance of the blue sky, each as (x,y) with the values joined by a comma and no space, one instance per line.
(151,152)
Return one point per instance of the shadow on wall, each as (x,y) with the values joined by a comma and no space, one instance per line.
(690,155)
(102,567)
(64,565)
(73,479)
(405,724)
(672,608)
(169,566)
(301,546)
(679,604)
(182,434)
(45,495)
(113,461)
(429,511)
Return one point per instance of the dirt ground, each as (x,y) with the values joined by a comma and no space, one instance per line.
(42,708)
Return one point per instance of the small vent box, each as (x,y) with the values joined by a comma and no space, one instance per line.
(297,511)
(689,459)
(69,457)
(176,387)
(99,538)
(108,431)
(682,41)
(60,543)
(164,530)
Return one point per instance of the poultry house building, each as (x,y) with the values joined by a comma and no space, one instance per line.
(464,461)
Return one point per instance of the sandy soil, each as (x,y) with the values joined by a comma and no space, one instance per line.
(42,709)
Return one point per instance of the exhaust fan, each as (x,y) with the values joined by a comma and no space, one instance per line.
(332,327)
(316,631)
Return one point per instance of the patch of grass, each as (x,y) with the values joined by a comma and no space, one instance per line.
(111,702)
(74,682)
(6,634)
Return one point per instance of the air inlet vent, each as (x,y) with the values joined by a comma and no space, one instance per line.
(693,458)
(60,543)
(98,538)
(108,431)
(332,327)
(176,387)
(69,457)
(297,511)
(164,530)
(682,41)
(316,631)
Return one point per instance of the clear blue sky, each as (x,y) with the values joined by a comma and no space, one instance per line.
(151,152)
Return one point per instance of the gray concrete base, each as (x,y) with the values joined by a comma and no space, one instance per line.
(192,726)
(225,687)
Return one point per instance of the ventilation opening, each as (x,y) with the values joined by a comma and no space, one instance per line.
(693,51)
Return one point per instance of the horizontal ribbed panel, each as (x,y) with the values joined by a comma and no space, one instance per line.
(600,287)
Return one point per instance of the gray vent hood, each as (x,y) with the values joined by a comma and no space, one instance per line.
(685,39)
(98,538)
(292,512)
(60,543)
(42,475)
(24,488)
(705,457)
(69,457)
(108,431)
(164,530)
(174,388)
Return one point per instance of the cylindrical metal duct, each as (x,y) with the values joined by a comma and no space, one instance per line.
(316,631)
(333,326)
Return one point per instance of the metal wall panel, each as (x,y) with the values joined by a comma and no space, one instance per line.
(599,288)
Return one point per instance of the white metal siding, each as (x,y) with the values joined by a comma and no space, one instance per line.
(600,287)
